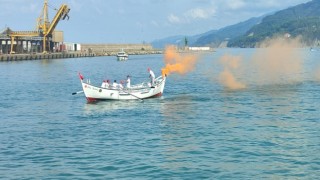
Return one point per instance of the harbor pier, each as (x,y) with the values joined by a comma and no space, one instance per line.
(39,56)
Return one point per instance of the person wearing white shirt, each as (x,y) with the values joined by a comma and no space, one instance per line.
(105,84)
(152,76)
(115,84)
(128,82)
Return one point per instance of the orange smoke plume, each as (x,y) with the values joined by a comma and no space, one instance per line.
(176,63)
(278,61)
(317,74)
(275,61)
(226,77)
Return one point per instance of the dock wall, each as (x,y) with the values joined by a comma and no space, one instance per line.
(87,50)
(20,57)
(113,49)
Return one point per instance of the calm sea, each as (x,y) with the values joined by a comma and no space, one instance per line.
(197,130)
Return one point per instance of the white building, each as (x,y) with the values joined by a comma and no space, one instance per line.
(199,48)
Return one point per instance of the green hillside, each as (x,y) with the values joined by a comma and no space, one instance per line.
(211,38)
(302,20)
(215,38)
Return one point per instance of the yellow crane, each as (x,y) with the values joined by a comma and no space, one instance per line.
(45,28)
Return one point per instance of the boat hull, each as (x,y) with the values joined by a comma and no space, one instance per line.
(94,93)
(122,58)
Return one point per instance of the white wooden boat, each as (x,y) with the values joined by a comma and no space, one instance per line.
(122,56)
(139,91)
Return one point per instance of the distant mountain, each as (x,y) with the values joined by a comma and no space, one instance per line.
(178,40)
(301,20)
(212,38)
(173,40)
(215,38)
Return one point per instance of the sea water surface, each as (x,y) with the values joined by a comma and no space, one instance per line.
(196,130)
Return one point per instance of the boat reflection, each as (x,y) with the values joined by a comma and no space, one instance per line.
(179,123)
(178,107)
(103,107)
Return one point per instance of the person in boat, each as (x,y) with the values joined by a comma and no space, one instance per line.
(151,76)
(108,83)
(115,84)
(105,84)
(128,82)
(120,86)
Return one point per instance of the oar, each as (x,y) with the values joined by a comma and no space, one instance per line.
(77,92)
(133,95)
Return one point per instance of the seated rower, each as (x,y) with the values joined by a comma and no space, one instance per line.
(115,84)
(105,84)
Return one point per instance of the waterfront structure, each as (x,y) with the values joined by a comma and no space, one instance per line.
(35,40)
(26,45)
(113,49)
(205,48)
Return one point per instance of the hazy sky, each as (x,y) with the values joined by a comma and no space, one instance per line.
(135,21)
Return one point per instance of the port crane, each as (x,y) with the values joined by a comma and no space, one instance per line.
(44,27)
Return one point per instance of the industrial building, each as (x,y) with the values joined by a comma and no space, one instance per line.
(32,44)
(44,39)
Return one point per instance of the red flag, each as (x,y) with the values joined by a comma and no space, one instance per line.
(80,76)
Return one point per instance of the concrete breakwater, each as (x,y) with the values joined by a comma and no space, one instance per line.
(113,49)
(145,52)
(38,56)
(87,50)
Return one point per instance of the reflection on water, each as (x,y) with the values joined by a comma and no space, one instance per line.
(178,136)
(258,123)
(196,130)
(103,107)
(178,107)
(278,100)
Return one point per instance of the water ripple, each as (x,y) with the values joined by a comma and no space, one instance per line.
(192,132)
